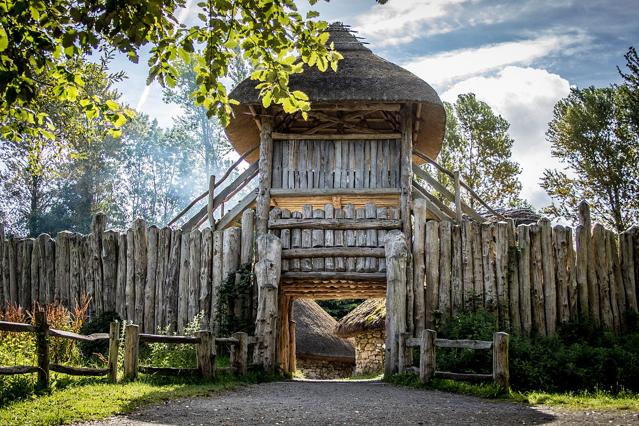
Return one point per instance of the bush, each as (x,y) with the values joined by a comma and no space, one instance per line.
(581,357)
(172,355)
(98,324)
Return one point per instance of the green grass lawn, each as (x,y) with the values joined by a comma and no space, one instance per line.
(599,400)
(90,399)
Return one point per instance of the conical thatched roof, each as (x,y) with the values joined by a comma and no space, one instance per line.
(521,216)
(314,333)
(362,77)
(370,315)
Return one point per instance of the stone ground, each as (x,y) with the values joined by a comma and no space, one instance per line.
(354,403)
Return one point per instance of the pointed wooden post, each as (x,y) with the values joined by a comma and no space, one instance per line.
(427,363)
(501,372)
(114,342)
(405,201)
(209,208)
(265,176)
(397,257)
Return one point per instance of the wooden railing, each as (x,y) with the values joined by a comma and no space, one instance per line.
(440,209)
(42,332)
(428,342)
(205,344)
(216,201)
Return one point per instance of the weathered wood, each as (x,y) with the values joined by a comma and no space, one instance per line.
(62,270)
(130,275)
(458,208)
(114,343)
(78,371)
(34,271)
(231,251)
(131,348)
(561,265)
(349,236)
(513,278)
(427,359)
(140,268)
(265,176)
(581,271)
(195,254)
(292,346)
(342,136)
(419,265)
(216,277)
(591,263)
(469,296)
(536,281)
(431,298)
(464,344)
(406,199)
(98,226)
(267,275)
(42,347)
(457,291)
(210,209)
(317,240)
(550,285)
(248,235)
(206,354)
(467,377)
(501,272)
(335,224)
(307,213)
(162,338)
(617,293)
(232,215)
(15,327)
(329,240)
(50,250)
(628,269)
(322,252)
(171,281)
(149,287)
(121,277)
(572,276)
(445,263)
(603,278)
(241,353)
(78,337)
(322,275)
(163,270)
(12,260)
(109,269)
(397,257)
(524,246)
(18,369)
(4,293)
(205,283)
(501,371)
(170,371)
(488,262)
(183,281)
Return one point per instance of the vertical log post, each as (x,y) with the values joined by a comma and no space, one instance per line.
(206,354)
(419,266)
(131,347)
(265,176)
(248,234)
(292,346)
(267,276)
(241,353)
(114,341)
(405,201)
(427,360)
(397,257)
(211,198)
(501,372)
(42,348)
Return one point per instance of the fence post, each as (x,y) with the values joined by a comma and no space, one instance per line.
(427,357)
(205,354)
(241,353)
(501,373)
(42,347)
(131,347)
(114,342)
(401,359)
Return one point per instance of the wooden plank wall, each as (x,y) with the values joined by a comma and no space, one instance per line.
(150,276)
(314,238)
(307,164)
(533,277)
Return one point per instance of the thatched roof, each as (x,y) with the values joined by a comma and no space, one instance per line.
(314,335)
(361,77)
(521,216)
(370,315)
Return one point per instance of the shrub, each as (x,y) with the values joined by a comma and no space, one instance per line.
(99,324)
(172,355)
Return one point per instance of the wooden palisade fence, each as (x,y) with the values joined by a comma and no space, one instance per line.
(428,342)
(204,340)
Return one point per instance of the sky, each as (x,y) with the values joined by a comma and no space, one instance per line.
(519,56)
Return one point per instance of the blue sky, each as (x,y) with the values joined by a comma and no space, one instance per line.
(519,56)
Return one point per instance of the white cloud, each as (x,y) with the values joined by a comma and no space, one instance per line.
(525,97)
(401,21)
(446,68)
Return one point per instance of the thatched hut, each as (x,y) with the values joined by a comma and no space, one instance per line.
(320,353)
(366,324)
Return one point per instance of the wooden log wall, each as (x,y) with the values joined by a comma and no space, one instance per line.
(150,276)
(336,239)
(533,277)
(307,164)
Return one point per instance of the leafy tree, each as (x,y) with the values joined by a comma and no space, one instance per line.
(40,39)
(630,90)
(591,134)
(477,145)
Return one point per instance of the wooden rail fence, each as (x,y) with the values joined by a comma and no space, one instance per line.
(428,342)
(43,332)
(204,340)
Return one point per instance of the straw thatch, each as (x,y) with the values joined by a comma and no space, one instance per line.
(314,334)
(370,315)
(362,77)
(521,216)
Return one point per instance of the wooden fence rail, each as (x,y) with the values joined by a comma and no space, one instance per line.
(428,342)
(42,334)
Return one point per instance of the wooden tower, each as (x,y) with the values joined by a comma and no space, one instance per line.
(334,187)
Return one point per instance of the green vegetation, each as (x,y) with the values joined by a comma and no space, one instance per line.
(339,308)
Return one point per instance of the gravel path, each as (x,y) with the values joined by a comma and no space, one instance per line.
(353,403)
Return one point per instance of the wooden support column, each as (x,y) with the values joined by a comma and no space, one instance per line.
(292,346)
(267,276)
(265,175)
(397,262)
(405,201)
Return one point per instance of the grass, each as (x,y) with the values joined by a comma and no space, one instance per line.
(92,399)
(598,400)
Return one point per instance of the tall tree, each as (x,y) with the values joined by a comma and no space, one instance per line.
(630,90)
(477,145)
(591,134)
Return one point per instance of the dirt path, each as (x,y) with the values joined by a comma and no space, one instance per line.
(353,403)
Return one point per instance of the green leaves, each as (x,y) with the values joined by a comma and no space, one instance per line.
(4,40)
